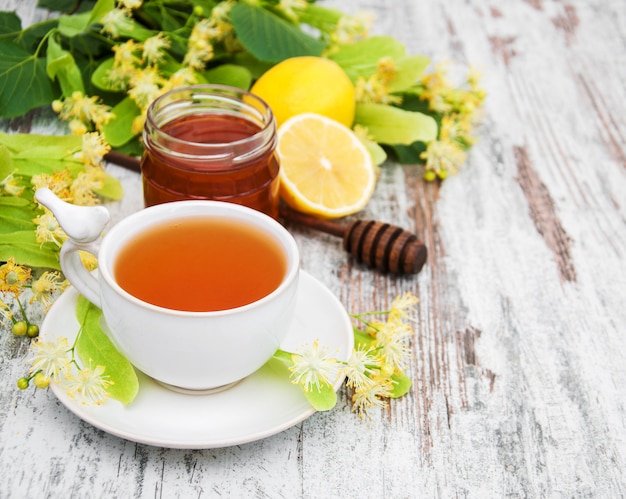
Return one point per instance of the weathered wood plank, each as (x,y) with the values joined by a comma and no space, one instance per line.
(519,355)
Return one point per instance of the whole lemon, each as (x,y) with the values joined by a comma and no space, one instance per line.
(307,84)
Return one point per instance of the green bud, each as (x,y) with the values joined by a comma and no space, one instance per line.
(19,328)
(429,175)
(32,331)
(22,383)
(41,380)
(198,11)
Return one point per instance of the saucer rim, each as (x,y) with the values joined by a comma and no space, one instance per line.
(89,413)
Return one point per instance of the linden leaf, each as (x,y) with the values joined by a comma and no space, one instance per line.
(95,348)
(391,125)
(229,74)
(269,37)
(27,251)
(111,189)
(118,131)
(24,84)
(401,384)
(361,58)
(322,398)
(62,67)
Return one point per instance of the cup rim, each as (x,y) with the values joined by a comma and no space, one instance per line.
(175,210)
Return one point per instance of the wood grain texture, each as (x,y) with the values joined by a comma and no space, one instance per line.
(519,357)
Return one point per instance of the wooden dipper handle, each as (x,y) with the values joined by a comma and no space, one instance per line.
(385,247)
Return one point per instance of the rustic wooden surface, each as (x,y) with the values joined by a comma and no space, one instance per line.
(519,361)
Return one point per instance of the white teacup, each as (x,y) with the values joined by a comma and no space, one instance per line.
(187,350)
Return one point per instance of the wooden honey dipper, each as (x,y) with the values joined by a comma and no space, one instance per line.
(386,247)
(383,246)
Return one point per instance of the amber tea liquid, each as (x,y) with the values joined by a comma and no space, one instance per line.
(201,265)
(199,146)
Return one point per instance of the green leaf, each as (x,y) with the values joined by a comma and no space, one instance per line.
(391,125)
(408,70)
(322,399)
(229,74)
(118,131)
(6,162)
(269,37)
(361,58)
(24,84)
(112,189)
(74,25)
(101,9)
(10,24)
(27,251)
(362,340)
(99,77)
(62,67)
(377,153)
(401,384)
(52,146)
(96,349)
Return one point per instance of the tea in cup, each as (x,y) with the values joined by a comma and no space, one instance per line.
(196,294)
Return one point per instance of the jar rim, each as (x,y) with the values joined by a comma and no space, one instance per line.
(248,106)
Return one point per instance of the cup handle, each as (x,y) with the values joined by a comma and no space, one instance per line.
(84,226)
(75,272)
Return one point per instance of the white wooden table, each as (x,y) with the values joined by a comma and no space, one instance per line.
(519,358)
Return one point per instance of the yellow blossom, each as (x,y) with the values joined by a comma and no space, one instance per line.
(443,157)
(50,357)
(313,367)
(289,8)
(89,260)
(58,182)
(352,28)
(93,149)
(153,48)
(130,4)
(88,386)
(48,230)
(373,395)
(82,111)
(402,305)
(117,21)
(5,311)
(199,47)
(145,86)
(13,277)
(45,288)
(360,368)
(85,184)
(10,185)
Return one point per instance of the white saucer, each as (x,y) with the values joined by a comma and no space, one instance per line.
(261,405)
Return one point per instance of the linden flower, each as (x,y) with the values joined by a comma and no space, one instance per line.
(50,357)
(48,230)
(153,48)
(199,47)
(13,277)
(89,385)
(93,149)
(443,157)
(86,182)
(130,4)
(10,185)
(289,7)
(351,28)
(45,288)
(145,86)
(390,342)
(181,78)
(59,183)
(359,368)
(373,395)
(80,111)
(313,367)
(403,304)
(117,21)
(5,311)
